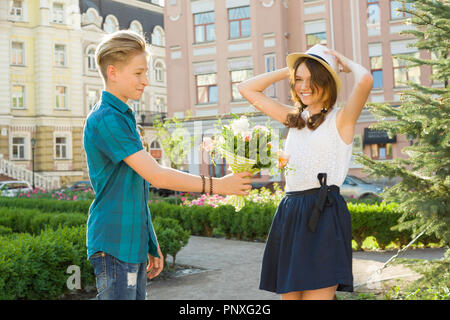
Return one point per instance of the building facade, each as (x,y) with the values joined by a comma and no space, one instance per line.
(51,80)
(212,45)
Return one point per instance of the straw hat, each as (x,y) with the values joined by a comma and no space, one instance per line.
(317,53)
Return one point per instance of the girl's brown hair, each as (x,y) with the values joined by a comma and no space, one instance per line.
(320,78)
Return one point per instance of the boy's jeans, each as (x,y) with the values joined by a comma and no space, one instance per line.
(118,280)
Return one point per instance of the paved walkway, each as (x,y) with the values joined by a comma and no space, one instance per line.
(230,270)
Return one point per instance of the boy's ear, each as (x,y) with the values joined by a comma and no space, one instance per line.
(111,72)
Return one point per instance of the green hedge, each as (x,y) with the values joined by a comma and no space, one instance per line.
(251,223)
(34,221)
(34,267)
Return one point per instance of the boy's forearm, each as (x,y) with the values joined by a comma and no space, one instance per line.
(181,181)
(168,178)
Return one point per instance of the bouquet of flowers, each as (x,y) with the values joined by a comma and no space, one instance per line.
(245,149)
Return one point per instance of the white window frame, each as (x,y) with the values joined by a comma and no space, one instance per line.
(90,59)
(159,71)
(115,21)
(67,144)
(88,89)
(271,90)
(23,17)
(161,108)
(56,55)
(136,26)
(66,97)
(20,146)
(58,16)
(158,36)
(27,145)
(14,51)
(13,96)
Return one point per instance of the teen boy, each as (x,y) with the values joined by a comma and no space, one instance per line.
(121,242)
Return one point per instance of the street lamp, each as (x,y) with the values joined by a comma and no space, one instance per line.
(33,144)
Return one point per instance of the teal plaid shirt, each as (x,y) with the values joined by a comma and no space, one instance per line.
(119,220)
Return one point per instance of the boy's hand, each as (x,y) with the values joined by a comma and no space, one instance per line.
(234,184)
(155,265)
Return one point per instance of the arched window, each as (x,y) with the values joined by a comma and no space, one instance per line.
(159,72)
(111,24)
(158,36)
(155,150)
(92,15)
(136,26)
(90,58)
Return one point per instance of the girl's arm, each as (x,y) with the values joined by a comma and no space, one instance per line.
(252,90)
(361,90)
(167,178)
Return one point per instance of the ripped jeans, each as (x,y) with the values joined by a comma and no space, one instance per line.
(118,280)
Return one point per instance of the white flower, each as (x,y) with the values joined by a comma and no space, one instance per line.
(240,126)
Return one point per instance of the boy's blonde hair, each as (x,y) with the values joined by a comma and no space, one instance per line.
(118,47)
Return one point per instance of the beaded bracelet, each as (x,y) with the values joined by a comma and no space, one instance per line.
(203,183)
(210,186)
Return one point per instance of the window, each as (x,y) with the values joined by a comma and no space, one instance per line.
(136,27)
(237,76)
(376,68)
(402,73)
(270,64)
(60,55)
(18,97)
(156,151)
(381,151)
(373,17)
(91,63)
(239,20)
(61,97)
(159,72)
(316,38)
(160,105)
(204,27)
(111,24)
(376,64)
(61,148)
(18,148)
(58,13)
(396,6)
(16,10)
(136,106)
(92,98)
(17,53)
(316,33)
(158,37)
(206,88)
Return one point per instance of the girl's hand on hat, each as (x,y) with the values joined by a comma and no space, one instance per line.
(342,61)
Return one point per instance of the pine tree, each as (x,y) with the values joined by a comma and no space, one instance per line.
(424,116)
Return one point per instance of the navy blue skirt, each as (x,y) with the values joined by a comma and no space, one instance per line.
(297,258)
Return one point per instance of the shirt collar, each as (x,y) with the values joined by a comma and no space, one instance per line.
(115,102)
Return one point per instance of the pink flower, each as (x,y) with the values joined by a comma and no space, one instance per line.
(28,195)
(183,199)
(74,198)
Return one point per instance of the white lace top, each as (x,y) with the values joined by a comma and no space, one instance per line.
(315,151)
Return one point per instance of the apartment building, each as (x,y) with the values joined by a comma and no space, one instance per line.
(50,80)
(212,45)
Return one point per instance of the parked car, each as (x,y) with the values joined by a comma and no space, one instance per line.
(81,185)
(77,186)
(356,188)
(13,188)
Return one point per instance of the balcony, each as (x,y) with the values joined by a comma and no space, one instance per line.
(147,118)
